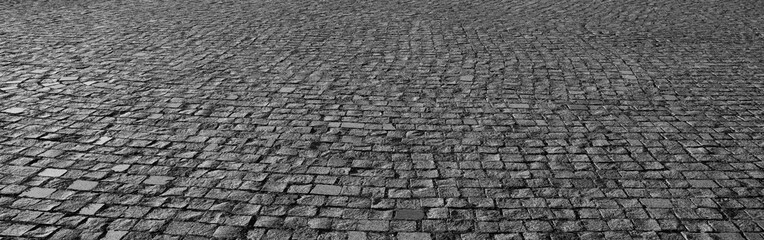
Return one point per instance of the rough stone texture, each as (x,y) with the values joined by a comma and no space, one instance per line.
(380,119)
(83,185)
(157,180)
(413,236)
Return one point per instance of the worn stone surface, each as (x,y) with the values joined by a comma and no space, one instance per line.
(409,214)
(408,119)
(413,236)
(52,172)
(36,192)
(14,110)
(157,180)
(83,185)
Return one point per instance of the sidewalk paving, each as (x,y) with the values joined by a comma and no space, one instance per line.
(405,119)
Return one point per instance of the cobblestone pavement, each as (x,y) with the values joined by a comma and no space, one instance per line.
(382,119)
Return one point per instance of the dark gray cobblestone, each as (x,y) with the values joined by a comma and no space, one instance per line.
(410,119)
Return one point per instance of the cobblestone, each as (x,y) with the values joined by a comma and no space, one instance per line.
(407,119)
(36,192)
(83,185)
(14,110)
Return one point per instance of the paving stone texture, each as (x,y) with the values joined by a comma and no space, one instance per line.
(382,119)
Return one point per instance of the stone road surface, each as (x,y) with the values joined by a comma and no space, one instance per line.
(382,119)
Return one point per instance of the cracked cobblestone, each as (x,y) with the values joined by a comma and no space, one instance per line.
(406,119)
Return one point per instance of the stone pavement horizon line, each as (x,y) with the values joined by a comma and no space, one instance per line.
(361,119)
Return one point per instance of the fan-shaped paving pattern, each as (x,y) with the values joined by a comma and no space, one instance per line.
(375,119)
